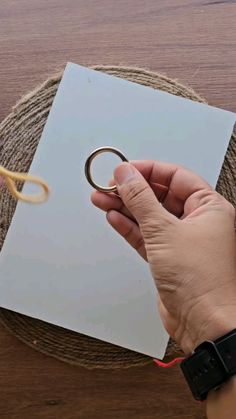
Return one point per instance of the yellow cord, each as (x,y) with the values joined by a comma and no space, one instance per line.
(10,178)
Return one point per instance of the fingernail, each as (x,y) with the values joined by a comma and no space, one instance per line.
(124,173)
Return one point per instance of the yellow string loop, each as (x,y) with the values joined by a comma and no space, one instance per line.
(10,179)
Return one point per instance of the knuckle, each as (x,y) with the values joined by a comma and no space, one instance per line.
(210,196)
(226,205)
(134,192)
(220,203)
(230,209)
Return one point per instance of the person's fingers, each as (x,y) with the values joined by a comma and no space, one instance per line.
(172,184)
(175,205)
(183,181)
(141,201)
(107,202)
(128,229)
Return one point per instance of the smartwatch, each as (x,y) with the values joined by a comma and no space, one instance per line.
(211,364)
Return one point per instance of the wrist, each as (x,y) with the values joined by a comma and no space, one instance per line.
(209,327)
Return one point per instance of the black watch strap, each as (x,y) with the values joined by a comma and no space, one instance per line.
(211,364)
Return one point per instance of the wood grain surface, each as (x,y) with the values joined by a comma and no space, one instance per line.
(193,41)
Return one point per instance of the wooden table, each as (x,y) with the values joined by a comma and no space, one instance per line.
(191,40)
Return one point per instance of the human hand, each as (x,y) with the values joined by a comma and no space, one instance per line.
(185,231)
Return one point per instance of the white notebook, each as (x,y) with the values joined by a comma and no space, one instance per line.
(61,262)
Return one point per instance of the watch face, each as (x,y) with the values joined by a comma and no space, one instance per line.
(211,365)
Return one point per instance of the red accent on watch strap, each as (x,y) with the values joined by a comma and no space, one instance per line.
(168,364)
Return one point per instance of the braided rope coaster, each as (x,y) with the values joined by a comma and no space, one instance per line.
(19,136)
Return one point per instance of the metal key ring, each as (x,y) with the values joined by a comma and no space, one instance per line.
(87,167)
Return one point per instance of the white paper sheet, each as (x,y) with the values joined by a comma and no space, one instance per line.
(61,262)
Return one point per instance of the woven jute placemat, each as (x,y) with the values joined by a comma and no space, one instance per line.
(19,136)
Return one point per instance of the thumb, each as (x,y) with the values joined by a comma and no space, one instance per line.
(140,199)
